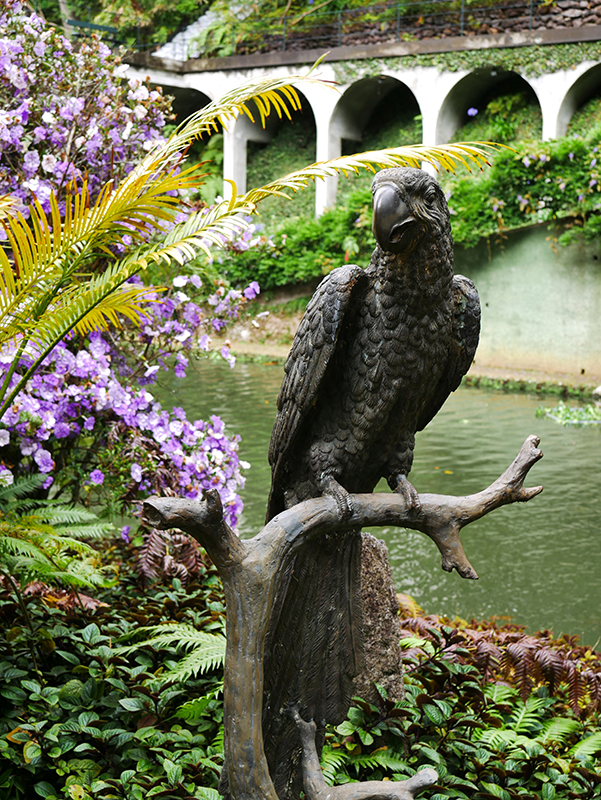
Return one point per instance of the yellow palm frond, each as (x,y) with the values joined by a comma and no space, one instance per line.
(91,306)
(445,156)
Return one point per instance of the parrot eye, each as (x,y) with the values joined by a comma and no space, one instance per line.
(430,194)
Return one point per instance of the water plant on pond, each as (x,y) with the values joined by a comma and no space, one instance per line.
(588,414)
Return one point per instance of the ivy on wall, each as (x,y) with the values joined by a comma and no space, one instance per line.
(530,61)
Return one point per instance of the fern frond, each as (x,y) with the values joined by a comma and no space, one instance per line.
(91,578)
(203,659)
(559,729)
(178,635)
(587,747)
(525,718)
(332,761)
(218,740)
(498,739)
(194,709)
(16,547)
(22,487)
(575,686)
(380,759)
(205,651)
(500,693)
(98,530)
(57,513)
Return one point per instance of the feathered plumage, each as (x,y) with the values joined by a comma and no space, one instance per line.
(375,357)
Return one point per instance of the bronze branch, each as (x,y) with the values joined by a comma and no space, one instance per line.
(251,569)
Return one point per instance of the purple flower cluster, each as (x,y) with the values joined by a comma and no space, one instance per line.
(66,110)
(562,181)
(87,414)
(175,326)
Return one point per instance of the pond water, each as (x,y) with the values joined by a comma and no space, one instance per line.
(539,563)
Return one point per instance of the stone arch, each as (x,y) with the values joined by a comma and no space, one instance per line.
(244,130)
(364,98)
(472,91)
(584,88)
(185,100)
(354,111)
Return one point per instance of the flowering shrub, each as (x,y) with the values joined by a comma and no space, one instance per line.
(88,421)
(66,110)
(538,182)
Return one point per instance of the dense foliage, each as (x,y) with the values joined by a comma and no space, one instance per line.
(498,713)
(539,182)
(304,248)
(89,722)
(125,702)
(530,61)
(143,23)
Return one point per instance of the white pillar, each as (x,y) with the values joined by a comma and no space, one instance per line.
(235,137)
(550,90)
(323,100)
(559,98)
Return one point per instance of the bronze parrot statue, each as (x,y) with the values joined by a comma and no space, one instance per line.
(375,356)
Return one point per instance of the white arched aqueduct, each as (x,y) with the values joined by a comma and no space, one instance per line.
(440,97)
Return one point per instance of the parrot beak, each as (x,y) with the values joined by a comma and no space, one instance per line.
(395,228)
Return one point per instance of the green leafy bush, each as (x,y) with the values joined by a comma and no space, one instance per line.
(538,182)
(125,702)
(89,721)
(304,249)
(479,709)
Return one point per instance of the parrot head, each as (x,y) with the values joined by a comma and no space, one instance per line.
(409,206)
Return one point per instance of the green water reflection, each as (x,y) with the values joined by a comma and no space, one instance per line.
(539,563)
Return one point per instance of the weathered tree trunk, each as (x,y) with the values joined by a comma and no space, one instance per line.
(250,571)
(381,625)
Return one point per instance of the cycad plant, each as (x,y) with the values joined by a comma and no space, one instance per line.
(69,270)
